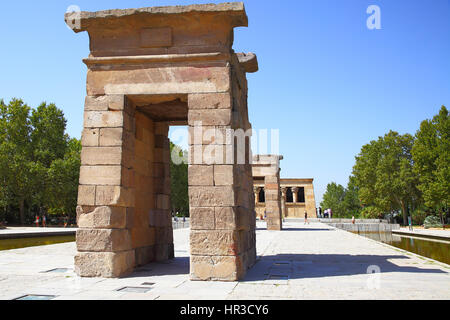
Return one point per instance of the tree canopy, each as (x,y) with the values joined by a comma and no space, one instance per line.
(399,173)
(39,163)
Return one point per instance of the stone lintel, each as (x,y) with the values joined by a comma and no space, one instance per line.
(235,10)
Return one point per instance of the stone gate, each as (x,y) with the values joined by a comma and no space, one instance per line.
(148,69)
(266,175)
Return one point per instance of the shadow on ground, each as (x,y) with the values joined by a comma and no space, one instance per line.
(301,266)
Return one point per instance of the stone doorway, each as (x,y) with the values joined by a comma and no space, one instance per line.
(148,69)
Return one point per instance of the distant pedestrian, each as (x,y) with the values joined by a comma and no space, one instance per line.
(306,217)
(331,213)
(37,221)
(353,220)
(66,221)
(44,221)
(320,212)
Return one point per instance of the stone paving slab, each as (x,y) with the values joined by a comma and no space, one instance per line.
(300,263)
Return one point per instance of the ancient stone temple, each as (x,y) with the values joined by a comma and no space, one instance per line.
(148,69)
(296,197)
(266,181)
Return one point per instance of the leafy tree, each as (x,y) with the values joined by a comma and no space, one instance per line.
(62,181)
(344,202)
(39,165)
(384,174)
(351,203)
(15,148)
(431,154)
(333,199)
(179,180)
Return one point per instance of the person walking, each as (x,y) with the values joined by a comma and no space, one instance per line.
(306,217)
(44,221)
(353,220)
(37,221)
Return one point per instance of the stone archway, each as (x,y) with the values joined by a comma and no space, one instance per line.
(266,170)
(149,68)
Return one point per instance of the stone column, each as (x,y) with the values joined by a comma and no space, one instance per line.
(161,218)
(256,191)
(295,194)
(283,202)
(273,203)
(223,241)
(106,193)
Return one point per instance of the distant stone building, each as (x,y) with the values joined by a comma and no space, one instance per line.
(297,195)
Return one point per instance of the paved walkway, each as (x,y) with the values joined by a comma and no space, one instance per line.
(302,262)
(441,234)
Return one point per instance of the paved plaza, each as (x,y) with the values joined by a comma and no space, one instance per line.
(302,262)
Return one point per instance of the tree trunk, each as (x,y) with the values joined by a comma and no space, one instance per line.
(405,216)
(22,211)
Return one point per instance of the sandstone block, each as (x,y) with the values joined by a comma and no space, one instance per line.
(226,218)
(210,101)
(104,218)
(142,236)
(201,175)
(211,196)
(224,175)
(101,175)
(202,219)
(114,196)
(92,156)
(93,103)
(103,119)
(164,252)
(218,268)
(117,102)
(215,243)
(103,240)
(104,264)
(164,235)
(145,255)
(160,218)
(86,195)
(213,117)
(111,137)
(90,137)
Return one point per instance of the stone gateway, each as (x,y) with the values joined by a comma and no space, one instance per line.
(148,69)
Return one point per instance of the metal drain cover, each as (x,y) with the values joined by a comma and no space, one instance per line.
(35,297)
(57,270)
(134,289)
(148,284)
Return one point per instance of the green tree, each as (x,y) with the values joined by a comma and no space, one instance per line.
(62,181)
(384,174)
(431,154)
(39,165)
(333,199)
(351,203)
(179,180)
(16,151)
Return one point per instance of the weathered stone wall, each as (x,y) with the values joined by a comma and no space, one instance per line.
(223,242)
(106,193)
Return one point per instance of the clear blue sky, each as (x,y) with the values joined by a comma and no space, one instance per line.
(326,81)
